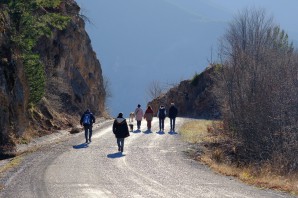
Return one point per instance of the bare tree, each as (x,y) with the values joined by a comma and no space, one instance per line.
(257,87)
(107,87)
(154,89)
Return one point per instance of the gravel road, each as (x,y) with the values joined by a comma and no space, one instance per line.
(152,165)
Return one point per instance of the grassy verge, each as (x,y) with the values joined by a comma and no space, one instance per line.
(14,162)
(11,164)
(216,152)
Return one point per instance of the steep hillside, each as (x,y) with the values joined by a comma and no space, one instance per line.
(193,98)
(73,80)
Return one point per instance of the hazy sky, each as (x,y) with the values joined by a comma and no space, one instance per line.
(140,41)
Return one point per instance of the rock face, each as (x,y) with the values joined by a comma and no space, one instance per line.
(74,82)
(193,98)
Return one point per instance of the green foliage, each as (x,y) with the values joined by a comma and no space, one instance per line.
(31,20)
(195,80)
(34,71)
(280,40)
(218,68)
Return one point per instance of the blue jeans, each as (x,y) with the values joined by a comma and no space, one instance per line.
(172,123)
(88,132)
(120,142)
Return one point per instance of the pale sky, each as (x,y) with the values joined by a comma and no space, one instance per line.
(140,41)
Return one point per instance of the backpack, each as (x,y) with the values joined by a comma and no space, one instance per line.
(87,119)
(161,113)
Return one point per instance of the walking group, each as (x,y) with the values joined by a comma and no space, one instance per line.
(161,115)
(120,126)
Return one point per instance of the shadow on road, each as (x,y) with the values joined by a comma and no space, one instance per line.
(137,131)
(115,155)
(160,132)
(147,132)
(172,133)
(80,146)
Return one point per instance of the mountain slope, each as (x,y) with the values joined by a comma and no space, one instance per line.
(73,81)
(193,98)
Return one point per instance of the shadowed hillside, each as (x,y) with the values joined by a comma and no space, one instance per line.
(193,97)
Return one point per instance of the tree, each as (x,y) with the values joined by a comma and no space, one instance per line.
(154,89)
(257,87)
(31,20)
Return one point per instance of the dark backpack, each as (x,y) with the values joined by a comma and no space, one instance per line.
(162,113)
(87,119)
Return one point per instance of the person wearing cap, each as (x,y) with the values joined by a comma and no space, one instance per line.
(120,129)
(173,111)
(139,116)
(87,121)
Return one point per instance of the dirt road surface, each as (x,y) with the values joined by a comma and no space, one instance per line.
(153,164)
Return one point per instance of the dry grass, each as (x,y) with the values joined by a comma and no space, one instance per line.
(204,132)
(27,137)
(195,131)
(75,130)
(11,164)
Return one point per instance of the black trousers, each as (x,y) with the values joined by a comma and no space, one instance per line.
(88,132)
(161,123)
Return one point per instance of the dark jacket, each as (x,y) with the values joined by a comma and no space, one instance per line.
(162,113)
(120,128)
(173,111)
(92,119)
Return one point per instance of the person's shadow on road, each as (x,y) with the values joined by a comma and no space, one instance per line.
(137,131)
(172,133)
(115,155)
(81,146)
(147,131)
(160,132)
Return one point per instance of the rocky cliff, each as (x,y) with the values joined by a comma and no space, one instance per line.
(193,98)
(73,81)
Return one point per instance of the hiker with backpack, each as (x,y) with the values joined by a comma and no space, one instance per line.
(173,111)
(120,129)
(139,116)
(161,114)
(87,121)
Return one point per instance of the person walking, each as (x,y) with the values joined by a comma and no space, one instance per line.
(87,121)
(148,117)
(173,111)
(161,114)
(139,116)
(120,129)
